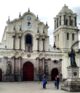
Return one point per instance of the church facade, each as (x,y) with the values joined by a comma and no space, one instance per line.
(25,53)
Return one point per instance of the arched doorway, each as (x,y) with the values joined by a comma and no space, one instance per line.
(28,42)
(0,75)
(54,73)
(28,71)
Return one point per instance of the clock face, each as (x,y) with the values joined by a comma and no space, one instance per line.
(28,18)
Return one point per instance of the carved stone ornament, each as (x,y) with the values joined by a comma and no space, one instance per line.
(28,55)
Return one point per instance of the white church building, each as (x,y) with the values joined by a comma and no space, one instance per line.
(25,53)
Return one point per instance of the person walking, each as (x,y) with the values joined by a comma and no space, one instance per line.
(44,81)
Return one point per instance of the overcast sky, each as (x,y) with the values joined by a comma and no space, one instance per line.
(45,9)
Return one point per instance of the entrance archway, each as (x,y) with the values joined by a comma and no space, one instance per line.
(0,75)
(54,73)
(28,71)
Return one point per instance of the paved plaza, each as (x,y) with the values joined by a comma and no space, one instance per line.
(28,87)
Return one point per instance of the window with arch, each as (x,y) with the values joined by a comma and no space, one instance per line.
(28,42)
(71,22)
(67,36)
(73,36)
(66,22)
(60,20)
(75,20)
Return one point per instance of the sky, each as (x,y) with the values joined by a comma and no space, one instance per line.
(45,9)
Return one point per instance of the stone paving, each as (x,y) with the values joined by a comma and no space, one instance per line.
(28,87)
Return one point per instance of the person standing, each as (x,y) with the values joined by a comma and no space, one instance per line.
(57,81)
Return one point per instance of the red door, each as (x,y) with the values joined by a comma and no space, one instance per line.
(28,71)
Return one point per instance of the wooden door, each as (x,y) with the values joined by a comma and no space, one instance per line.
(28,71)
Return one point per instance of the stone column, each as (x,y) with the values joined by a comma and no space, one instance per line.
(54,23)
(43,64)
(14,42)
(69,21)
(38,64)
(46,68)
(19,42)
(39,69)
(43,44)
(4,75)
(12,60)
(73,21)
(21,73)
(57,22)
(37,44)
(18,69)
(64,18)
(60,20)
(14,68)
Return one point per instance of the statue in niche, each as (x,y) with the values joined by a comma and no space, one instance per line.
(72,58)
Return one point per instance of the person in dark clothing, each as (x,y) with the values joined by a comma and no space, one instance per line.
(44,81)
(57,81)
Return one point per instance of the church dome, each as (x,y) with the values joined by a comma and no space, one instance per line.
(65,9)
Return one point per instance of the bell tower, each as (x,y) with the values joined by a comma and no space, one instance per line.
(65,28)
